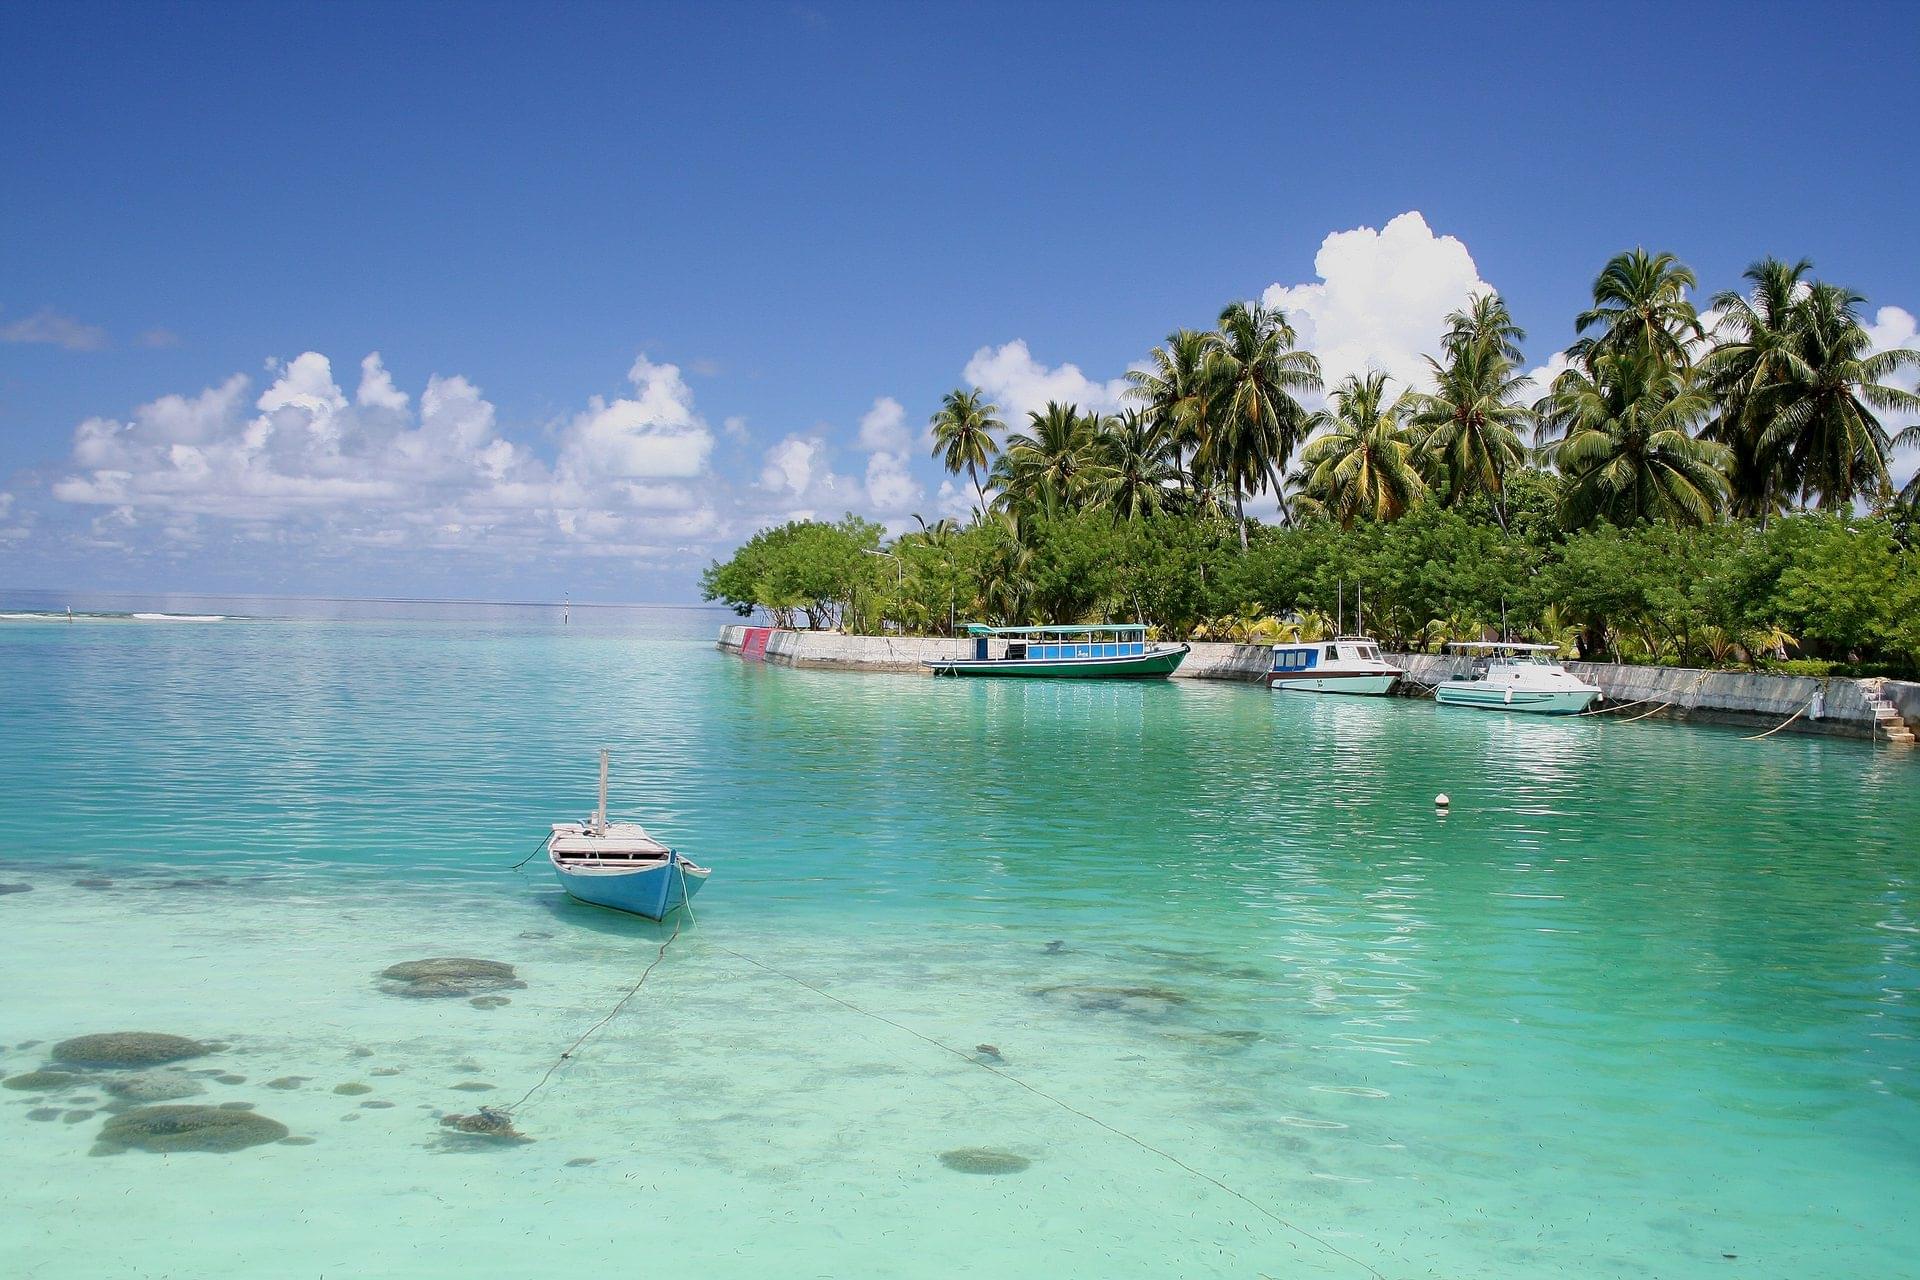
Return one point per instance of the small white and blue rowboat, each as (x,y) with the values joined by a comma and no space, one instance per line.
(618,865)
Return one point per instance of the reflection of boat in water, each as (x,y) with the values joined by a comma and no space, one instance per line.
(1516,677)
(1106,651)
(618,865)
(1344,664)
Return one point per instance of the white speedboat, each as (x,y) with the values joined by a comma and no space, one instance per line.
(1516,677)
(1344,664)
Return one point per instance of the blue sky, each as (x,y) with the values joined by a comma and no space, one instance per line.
(640,280)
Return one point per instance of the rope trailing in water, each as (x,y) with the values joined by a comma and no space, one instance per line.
(530,857)
(1693,684)
(610,1015)
(1784,723)
(1142,1143)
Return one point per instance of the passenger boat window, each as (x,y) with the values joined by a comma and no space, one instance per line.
(1016,649)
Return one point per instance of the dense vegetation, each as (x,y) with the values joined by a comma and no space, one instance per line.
(1683,492)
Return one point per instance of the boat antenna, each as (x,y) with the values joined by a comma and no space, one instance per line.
(1359,610)
(1339,605)
(600,814)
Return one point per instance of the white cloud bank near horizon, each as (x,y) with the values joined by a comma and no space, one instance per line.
(303,466)
(376,470)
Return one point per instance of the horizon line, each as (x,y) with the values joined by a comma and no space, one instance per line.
(322,599)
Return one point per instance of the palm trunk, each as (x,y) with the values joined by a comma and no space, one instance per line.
(1280,496)
(979,492)
(1240,517)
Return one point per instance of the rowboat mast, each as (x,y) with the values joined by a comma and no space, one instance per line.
(598,826)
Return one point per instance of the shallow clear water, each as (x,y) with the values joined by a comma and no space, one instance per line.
(1643,1000)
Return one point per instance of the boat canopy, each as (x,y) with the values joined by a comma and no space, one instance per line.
(1501,646)
(1081,629)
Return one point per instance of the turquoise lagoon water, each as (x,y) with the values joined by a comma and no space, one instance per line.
(1643,1004)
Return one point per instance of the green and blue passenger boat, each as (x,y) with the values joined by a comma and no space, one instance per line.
(1106,651)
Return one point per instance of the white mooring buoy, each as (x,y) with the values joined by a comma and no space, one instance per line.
(1440,801)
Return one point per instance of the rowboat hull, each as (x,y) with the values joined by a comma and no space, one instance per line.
(1155,665)
(1544,702)
(1373,683)
(650,891)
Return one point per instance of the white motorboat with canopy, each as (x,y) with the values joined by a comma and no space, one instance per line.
(1514,676)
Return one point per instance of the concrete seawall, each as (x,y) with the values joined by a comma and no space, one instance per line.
(833,651)
(1722,697)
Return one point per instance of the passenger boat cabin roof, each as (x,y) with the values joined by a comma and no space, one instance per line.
(1089,628)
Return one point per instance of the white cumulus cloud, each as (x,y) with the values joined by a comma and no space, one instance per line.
(891,488)
(1382,298)
(305,463)
(652,434)
(883,427)
(1020,384)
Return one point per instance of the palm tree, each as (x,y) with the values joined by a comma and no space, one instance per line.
(1297,498)
(1363,466)
(1910,492)
(1485,320)
(1007,584)
(1141,459)
(1640,304)
(963,435)
(1624,444)
(1253,373)
(1824,421)
(1174,392)
(1754,359)
(1055,465)
(1469,426)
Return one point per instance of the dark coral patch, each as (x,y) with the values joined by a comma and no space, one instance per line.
(984,1160)
(448,976)
(187,1128)
(42,1080)
(127,1049)
(486,1123)
(155,1086)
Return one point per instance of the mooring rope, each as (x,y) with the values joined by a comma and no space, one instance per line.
(1693,684)
(588,1033)
(530,857)
(1142,1143)
(1784,723)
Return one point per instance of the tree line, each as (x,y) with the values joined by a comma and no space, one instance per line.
(1735,444)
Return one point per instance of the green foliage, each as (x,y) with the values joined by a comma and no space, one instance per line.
(1611,538)
(1822,587)
(1803,667)
(804,568)
(1845,587)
